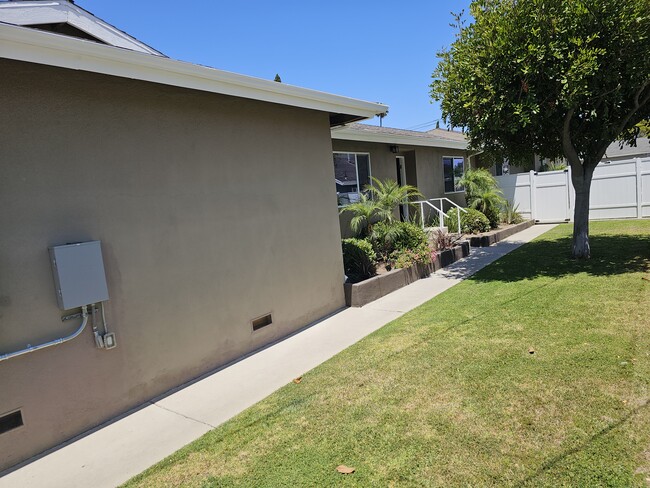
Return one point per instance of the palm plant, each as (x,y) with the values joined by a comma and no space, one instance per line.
(378,204)
(475,181)
(388,194)
(366,212)
(483,194)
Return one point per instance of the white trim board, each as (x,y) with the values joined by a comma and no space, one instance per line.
(347,134)
(54,12)
(24,44)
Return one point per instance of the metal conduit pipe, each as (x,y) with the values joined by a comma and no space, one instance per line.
(84,322)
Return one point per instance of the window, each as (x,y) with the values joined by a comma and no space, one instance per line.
(453,170)
(351,174)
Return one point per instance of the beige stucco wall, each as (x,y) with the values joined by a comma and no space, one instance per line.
(423,168)
(212,210)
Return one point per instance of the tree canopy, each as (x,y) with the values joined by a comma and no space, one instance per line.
(557,78)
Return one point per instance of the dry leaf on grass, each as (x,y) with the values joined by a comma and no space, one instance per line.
(343,469)
(297,380)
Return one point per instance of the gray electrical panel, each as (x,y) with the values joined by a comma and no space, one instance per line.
(79,274)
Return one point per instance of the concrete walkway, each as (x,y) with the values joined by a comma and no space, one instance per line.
(119,451)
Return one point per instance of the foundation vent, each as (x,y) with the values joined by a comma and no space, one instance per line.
(11,421)
(262,322)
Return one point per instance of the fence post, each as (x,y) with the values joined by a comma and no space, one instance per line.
(533,203)
(569,184)
(639,189)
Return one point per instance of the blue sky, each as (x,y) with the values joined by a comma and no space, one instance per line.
(377,50)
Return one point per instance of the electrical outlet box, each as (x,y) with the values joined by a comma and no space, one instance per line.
(109,340)
(79,275)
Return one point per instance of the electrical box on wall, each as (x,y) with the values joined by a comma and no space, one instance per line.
(79,274)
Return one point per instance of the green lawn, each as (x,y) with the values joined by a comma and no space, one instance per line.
(449,395)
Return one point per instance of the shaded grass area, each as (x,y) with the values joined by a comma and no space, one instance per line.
(449,394)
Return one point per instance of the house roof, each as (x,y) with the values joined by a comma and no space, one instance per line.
(24,44)
(642,150)
(389,135)
(66,18)
(448,134)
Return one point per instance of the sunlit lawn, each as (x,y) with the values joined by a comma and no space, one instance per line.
(450,394)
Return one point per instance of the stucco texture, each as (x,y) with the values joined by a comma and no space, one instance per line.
(212,211)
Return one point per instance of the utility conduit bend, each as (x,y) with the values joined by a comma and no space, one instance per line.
(28,349)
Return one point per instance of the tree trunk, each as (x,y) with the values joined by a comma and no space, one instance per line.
(582,185)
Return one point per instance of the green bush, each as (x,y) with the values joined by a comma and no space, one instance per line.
(493,214)
(359,259)
(403,258)
(471,222)
(387,238)
(483,194)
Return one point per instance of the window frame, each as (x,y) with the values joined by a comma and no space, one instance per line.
(356,168)
(452,170)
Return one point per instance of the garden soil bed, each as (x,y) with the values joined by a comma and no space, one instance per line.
(359,294)
(488,238)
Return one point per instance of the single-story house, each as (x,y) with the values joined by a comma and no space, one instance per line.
(432,161)
(210,194)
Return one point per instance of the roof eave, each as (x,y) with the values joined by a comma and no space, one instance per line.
(25,44)
(350,135)
(28,13)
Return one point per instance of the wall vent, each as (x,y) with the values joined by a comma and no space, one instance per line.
(11,421)
(262,322)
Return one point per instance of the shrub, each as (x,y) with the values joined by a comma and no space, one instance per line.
(442,240)
(471,222)
(359,259)
(483,193)
(552,166)
(403,258)
(387,238)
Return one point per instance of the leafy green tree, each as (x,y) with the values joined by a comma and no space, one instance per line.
(560,78)
(644,128)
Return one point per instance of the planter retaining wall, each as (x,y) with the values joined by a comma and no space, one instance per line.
(359,294)
(488,238)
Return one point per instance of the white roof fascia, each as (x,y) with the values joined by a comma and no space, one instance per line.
(34,46)
(353,135)
(44,12)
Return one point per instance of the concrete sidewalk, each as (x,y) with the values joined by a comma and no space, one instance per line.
(117,452)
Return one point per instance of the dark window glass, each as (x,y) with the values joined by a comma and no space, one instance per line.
(351,175)
(363,167)
(453,171)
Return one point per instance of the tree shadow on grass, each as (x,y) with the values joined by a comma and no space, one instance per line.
(611,255)
(561,457)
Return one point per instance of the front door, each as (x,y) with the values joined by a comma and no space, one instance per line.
(401,181)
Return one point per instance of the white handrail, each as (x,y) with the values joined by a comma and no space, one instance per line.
(441,213)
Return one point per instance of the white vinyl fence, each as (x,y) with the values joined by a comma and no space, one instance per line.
(619,190)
